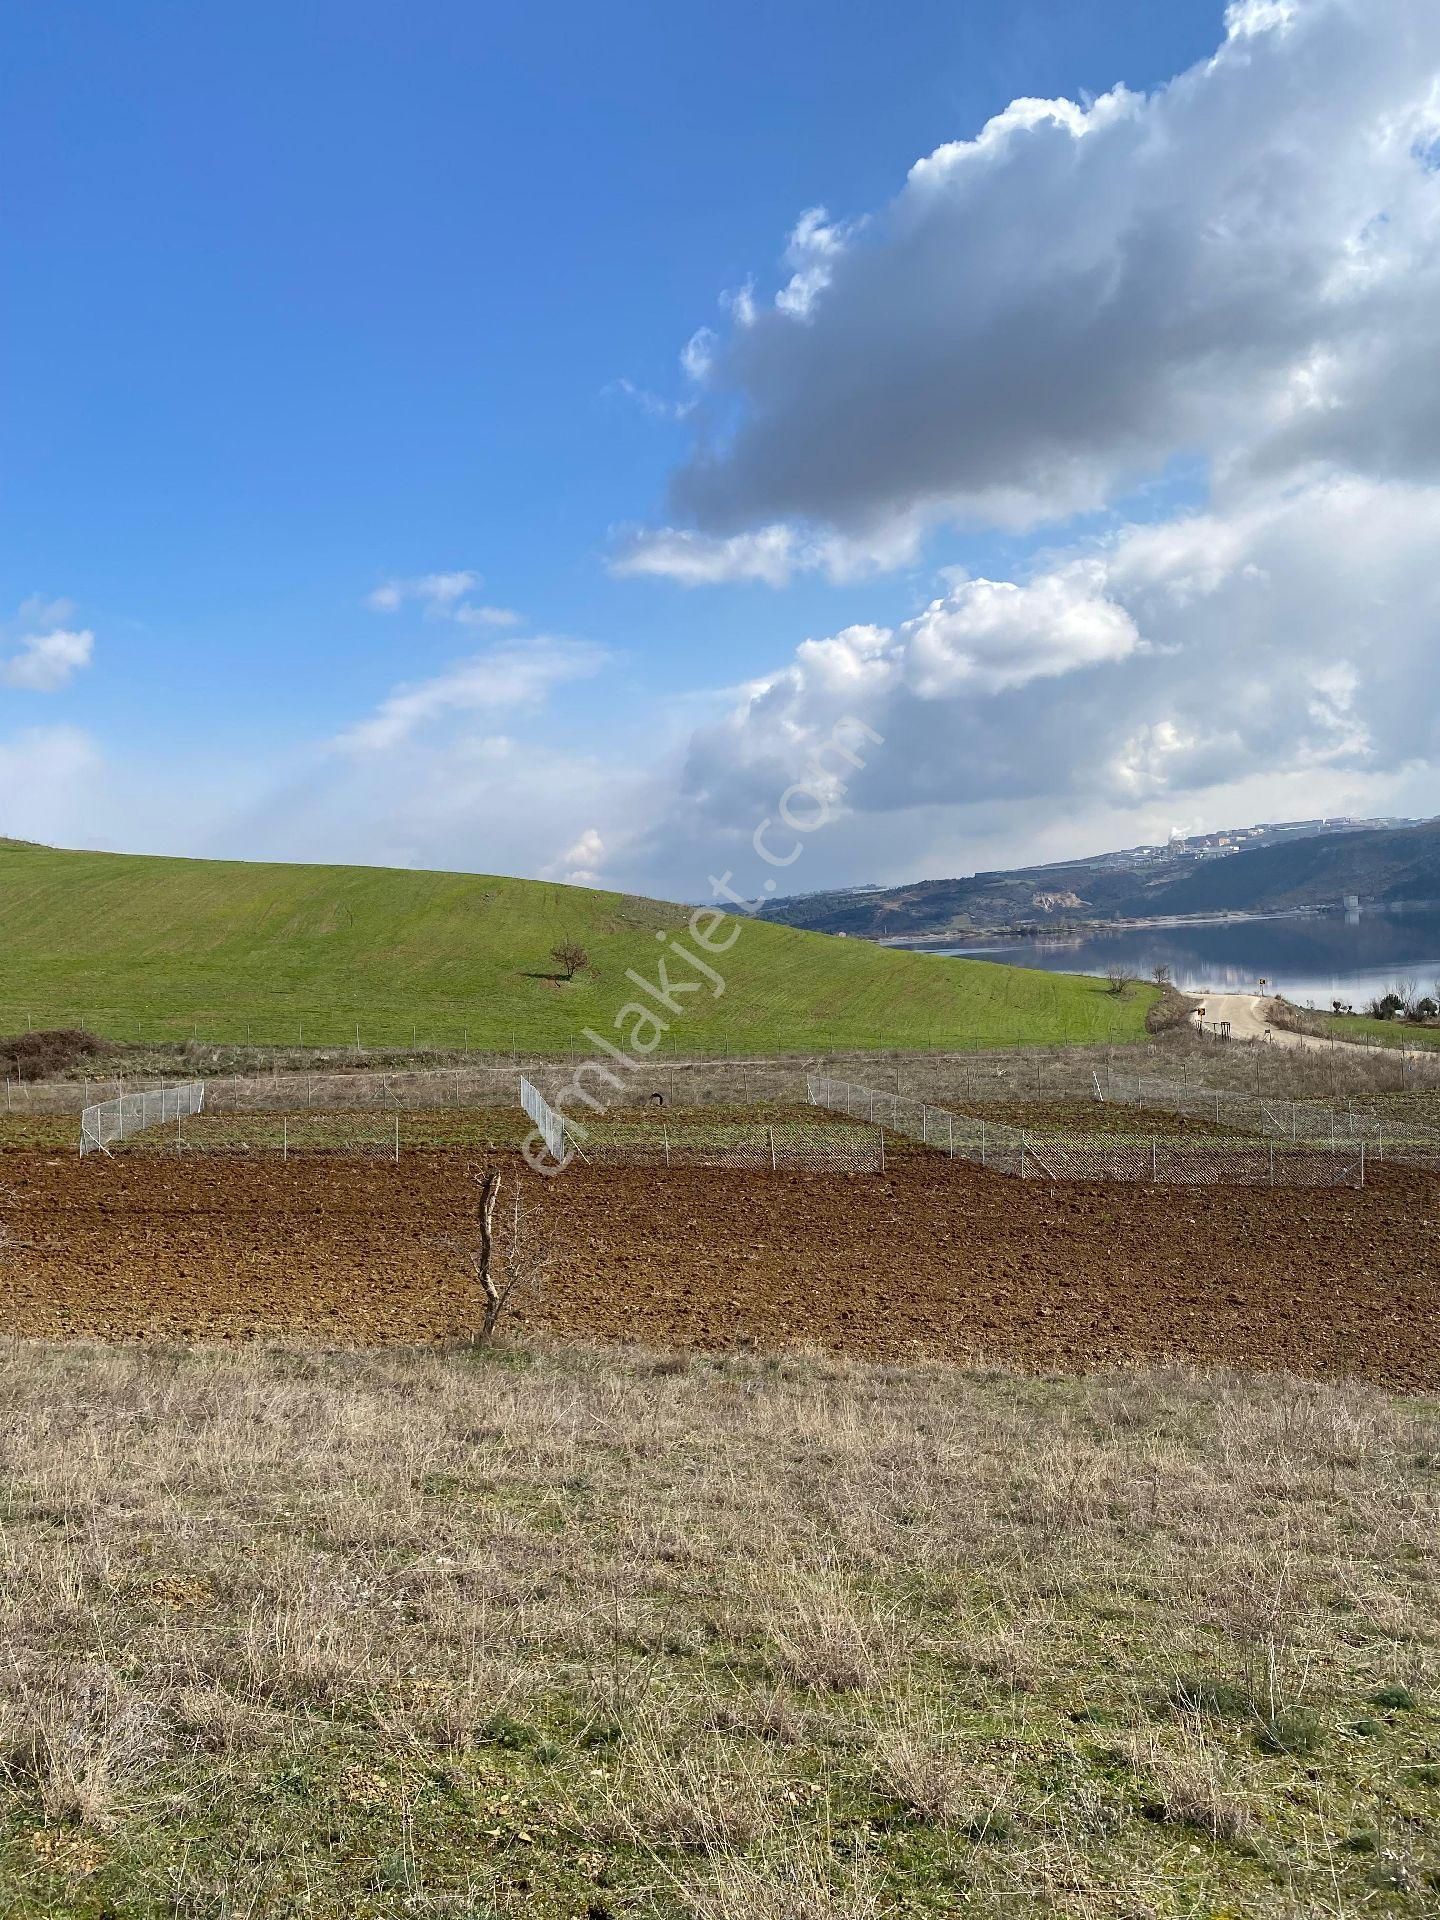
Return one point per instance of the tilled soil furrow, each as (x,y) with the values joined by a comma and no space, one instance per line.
(934,1257)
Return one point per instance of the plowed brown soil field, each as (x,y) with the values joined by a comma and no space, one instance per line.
(933,1257)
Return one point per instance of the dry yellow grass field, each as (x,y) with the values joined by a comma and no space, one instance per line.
(560,1631)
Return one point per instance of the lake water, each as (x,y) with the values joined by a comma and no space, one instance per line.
(1310,961)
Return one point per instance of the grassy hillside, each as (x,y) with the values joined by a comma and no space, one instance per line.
(141,948)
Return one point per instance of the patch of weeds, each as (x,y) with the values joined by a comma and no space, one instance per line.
(1364,1840)
(442,1486)
(516,1736)
(1394,1698)
(1368,1729)
(602,1734)
(495,1353)
(392,1873)
(294,1783)
(1390,1876)
(1425,1776)
(1294,1731)
(992,1827)
(1191,1694)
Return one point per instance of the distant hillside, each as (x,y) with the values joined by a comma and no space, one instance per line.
(1384,869)
(142,948)
(1384,866)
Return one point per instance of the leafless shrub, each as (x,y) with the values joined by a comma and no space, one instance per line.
(571,957)
(924,1769)
(39,1055)
(510,1263)
(82,1738)
(701,1802)
(1186,1786)
(805,1885)
(820,1639)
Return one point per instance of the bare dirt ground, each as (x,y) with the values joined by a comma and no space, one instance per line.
(934,1257)
(1248,1015)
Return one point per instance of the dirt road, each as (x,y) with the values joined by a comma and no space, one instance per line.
(1246,1013)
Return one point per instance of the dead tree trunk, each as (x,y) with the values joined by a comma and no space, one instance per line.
(485,1255)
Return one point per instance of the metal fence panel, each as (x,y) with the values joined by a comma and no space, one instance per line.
(1011,1150)
(550,1124)
(131,1113)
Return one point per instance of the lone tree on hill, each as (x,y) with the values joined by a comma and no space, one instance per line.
(571,956)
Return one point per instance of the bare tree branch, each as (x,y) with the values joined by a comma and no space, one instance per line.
(506,1264)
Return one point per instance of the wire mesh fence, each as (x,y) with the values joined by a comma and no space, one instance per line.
(1301,1122)
(1001,1148)
(291,1135)
(786,1146)
(548,1123)
(785,1143)
(108,1121)
(343,1134)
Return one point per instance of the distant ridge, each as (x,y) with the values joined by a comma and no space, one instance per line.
(1305,867)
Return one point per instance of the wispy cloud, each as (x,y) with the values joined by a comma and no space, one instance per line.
(770,555)
(441,596)
(513,678)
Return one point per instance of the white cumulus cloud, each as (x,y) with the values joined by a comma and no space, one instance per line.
(1287,638)
(1242,265)
(580,864)
(43,653)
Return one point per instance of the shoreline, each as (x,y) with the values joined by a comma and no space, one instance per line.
(1074,930)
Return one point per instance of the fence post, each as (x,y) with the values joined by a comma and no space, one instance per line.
(1154,1160)
(1362,1163)
(284,1138)
(665,1136)
(983,1161)
(1272,1163)
(770,1135)
(397,1139)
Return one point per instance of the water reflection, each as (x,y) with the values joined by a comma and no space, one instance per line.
(1350,956)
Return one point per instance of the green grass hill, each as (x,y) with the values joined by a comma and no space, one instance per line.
(147,949)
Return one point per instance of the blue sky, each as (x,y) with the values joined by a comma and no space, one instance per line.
(304,303)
